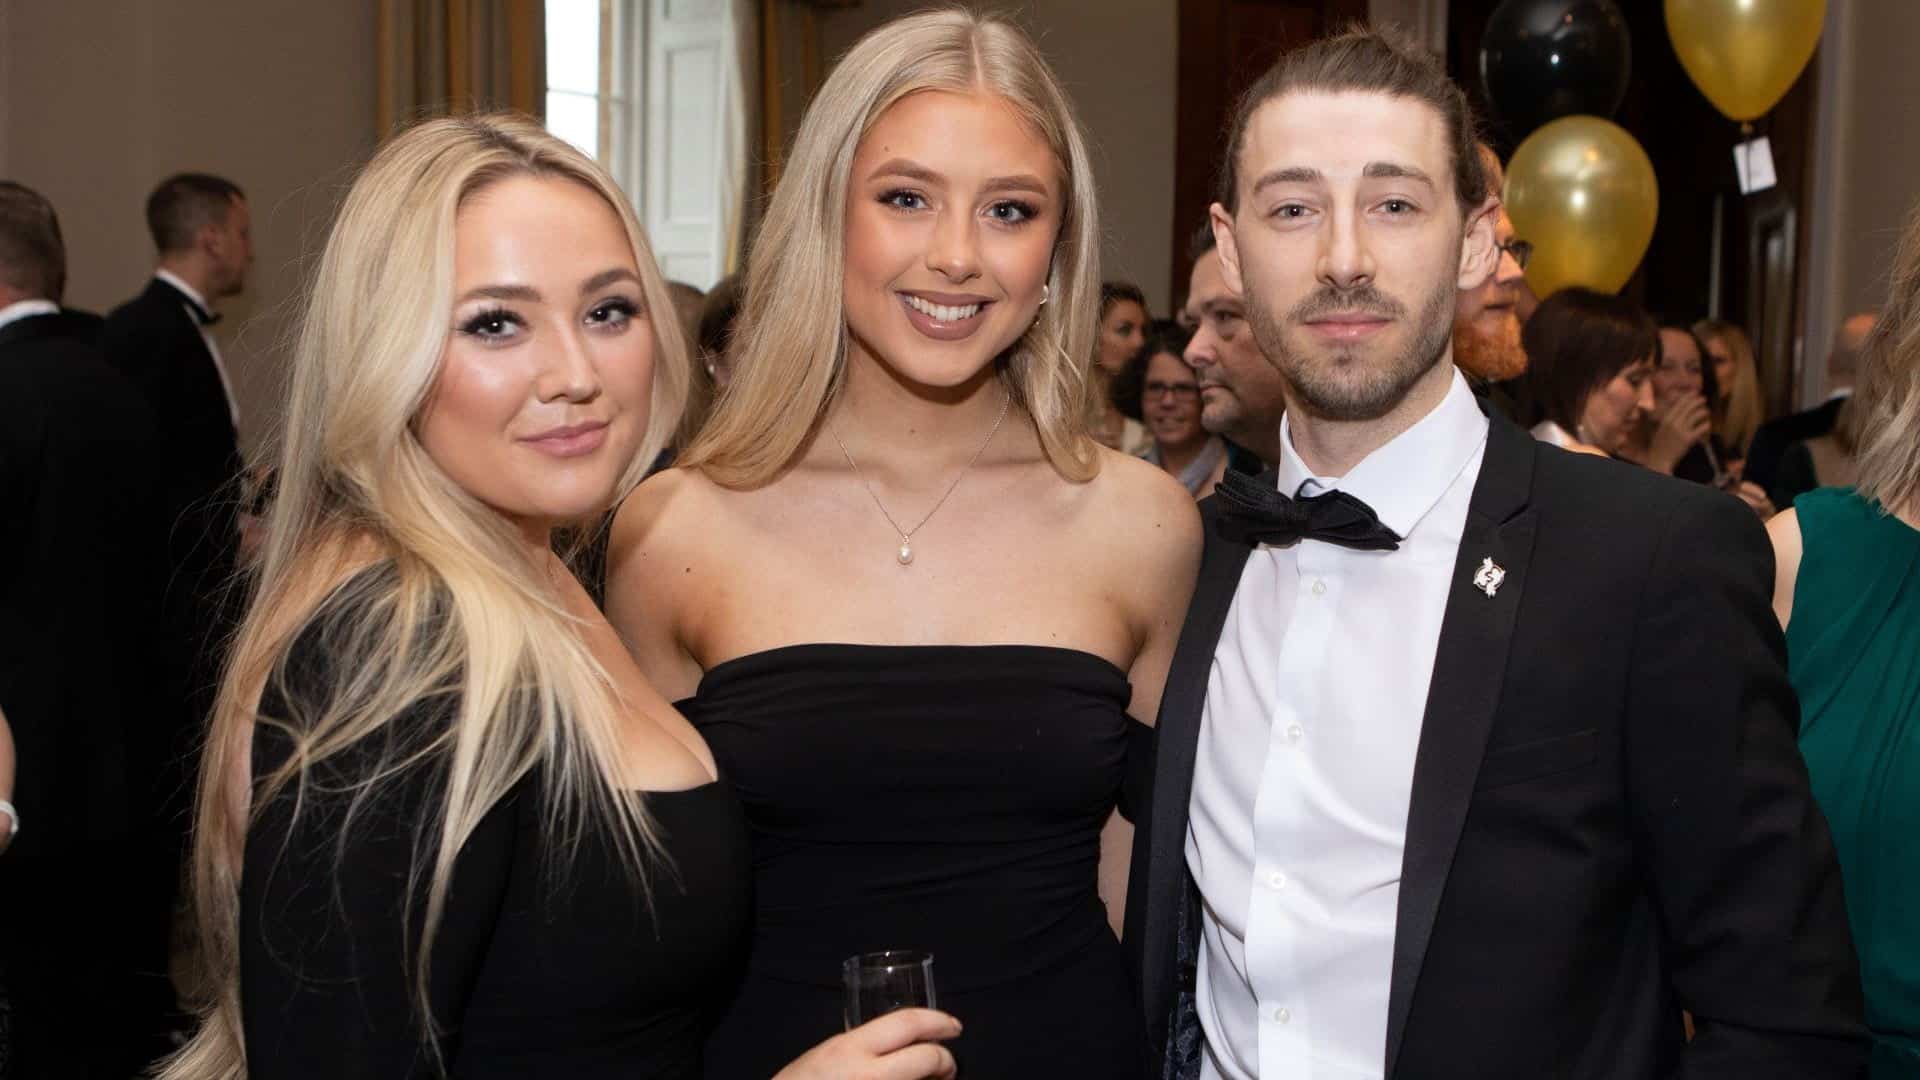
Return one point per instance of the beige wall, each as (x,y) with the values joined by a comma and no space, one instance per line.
(99,99)
(1867,174)
(1116,58)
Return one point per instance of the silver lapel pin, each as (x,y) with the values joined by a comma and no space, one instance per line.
(1488,578)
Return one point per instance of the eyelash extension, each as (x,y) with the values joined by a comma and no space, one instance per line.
(479,320)
(619,304)
(1027,210)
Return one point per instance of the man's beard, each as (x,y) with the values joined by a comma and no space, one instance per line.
(1489,349)
(1339,384)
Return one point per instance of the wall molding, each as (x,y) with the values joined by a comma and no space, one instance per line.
(1832,131)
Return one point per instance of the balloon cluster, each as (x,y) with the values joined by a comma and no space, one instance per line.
(1579,187)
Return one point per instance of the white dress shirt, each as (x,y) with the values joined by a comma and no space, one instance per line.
(1314,706)
(1553,434)
(26,309)
(213,350)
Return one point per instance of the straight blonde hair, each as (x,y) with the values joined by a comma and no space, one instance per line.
(1745,411)
(1886,404)
(464,616)
(790,351)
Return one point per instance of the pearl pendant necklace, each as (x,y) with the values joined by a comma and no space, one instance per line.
(905,554)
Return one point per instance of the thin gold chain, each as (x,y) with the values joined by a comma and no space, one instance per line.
(906,535)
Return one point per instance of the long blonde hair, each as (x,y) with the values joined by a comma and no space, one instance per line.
(791,349)
(1744,410)
(464,608)
(1886,404)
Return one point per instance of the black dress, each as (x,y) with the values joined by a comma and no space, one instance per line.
(946,799)
(546,962)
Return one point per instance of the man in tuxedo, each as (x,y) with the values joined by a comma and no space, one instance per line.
(161,341)
(81,574)
(1773,439)
(1240,392)
(1476,758)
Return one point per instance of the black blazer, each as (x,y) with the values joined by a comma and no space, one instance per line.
(81,571)
(1771,439)
(1610,821)
(156,344)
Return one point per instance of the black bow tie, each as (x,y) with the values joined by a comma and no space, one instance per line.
(200,314)
(1254,512)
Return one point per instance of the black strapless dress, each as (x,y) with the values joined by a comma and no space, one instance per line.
(941,798)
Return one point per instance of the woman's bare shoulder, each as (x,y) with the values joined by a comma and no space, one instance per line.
(1145,517)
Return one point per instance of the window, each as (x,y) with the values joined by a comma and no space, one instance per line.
(574,88)
(652,89)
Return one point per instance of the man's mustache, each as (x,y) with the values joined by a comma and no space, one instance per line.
(1357,300)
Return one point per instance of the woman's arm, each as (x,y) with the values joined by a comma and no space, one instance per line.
(6,780)
(1157,527)
(331,908)
(649,578)
(1784,532)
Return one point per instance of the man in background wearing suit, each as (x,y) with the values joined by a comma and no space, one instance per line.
(1772,461)
(1476,758)
(1241,398)
(81,574)
(161,341)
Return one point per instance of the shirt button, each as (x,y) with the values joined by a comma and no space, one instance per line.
(1319,587)
(1277,879)
(1282,1015)
(1295,732)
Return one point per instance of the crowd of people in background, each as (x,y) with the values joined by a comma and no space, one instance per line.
(558,560)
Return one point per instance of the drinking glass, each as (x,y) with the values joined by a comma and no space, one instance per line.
(880,982)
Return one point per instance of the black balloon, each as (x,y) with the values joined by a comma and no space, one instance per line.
(1544,59)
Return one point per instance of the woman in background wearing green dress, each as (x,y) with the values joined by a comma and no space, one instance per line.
(1847,590)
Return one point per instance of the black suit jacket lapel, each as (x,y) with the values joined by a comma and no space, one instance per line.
(160,289)
(1178,739)
(1474,636)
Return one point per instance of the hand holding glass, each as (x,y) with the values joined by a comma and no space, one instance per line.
(880,982)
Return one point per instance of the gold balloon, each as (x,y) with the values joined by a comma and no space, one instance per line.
(1744,54)
(1582,192)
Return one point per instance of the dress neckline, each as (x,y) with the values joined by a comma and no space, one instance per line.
(845,650)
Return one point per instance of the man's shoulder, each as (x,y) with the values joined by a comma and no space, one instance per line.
(1589,483)
(1622,509)
(153,308)
(66,375)
(1800,425)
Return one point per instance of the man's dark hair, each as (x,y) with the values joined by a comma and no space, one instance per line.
(1202,241)
(33,258)
(184,204)
(1365,60)
(1130,385)
(1576,342)
(1112,292)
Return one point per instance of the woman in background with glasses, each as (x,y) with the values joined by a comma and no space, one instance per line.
(1162,390)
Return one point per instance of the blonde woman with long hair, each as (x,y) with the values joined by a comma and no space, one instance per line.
(1740,410)
(1847,590)
(445,827)
(911,603)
